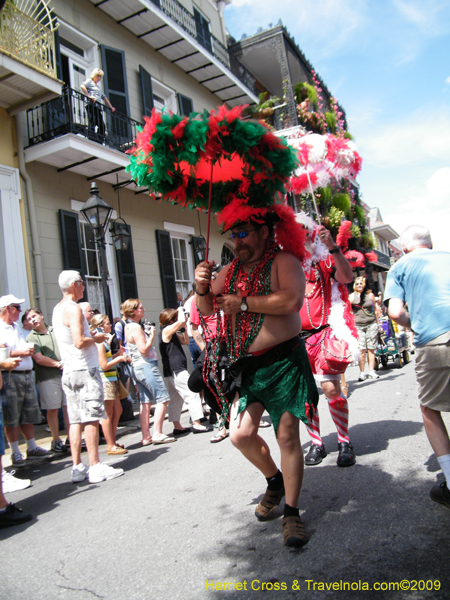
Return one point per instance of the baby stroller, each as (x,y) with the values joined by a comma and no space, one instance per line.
(391,347)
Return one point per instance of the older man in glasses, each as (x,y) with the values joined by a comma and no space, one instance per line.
(22,410)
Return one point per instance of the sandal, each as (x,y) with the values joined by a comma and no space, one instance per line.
(148,443)
(219,437)
(269,503)
(294,531)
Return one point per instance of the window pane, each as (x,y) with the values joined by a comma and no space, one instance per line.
(91,261)
(176,248)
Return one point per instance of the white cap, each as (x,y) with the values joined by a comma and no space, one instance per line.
(10,299)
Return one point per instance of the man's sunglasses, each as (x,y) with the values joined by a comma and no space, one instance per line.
(241,234)
(16,306)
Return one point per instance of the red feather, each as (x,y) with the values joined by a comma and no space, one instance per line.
(344,235)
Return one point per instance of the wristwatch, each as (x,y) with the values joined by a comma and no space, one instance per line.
(335,250)
(243,306)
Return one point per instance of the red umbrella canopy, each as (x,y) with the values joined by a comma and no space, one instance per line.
(179,157)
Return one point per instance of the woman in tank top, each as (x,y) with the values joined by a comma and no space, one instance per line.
(113,389)
(172,337)
(366,321)
(144,368)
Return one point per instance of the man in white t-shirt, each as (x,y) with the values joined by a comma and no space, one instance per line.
(81,379)
(22,409)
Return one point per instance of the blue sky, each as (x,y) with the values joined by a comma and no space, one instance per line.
(388,64)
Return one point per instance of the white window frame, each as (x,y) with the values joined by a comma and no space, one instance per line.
(168,95)
(76,205)
(89,45)
(184,232)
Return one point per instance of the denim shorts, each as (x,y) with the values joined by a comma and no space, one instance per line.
(21,407)
(150,383)
(2,432)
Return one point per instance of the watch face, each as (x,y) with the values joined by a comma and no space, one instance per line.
(244,305)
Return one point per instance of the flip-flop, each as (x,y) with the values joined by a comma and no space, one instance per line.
(219,437)
(147,443)
(164,439)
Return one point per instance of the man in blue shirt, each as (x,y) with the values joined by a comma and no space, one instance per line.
(421,279)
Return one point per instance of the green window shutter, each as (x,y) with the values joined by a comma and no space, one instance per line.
(73,259)
(127,272)
(115,78)
(147,91)
(185,105)
(166,269)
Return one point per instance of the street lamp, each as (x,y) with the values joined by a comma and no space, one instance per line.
(120,235)
(97,213)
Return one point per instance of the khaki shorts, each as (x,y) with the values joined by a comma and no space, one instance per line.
(368,336)
(21,405)
(114,389)
(433,373)
(84,391)
(51,394)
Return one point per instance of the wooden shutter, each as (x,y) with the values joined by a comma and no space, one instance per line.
(127,271)
(185,105)
(202,28)
(166,268)
(73,259)
(115,78)
(147,91)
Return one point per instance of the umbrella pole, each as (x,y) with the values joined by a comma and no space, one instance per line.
(209,214)
(319,218)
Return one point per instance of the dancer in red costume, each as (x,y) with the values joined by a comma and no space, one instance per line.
(326,313)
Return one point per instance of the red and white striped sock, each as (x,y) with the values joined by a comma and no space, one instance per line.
(313,428)
(339,414)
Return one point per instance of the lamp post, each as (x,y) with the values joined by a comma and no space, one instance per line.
(97,213)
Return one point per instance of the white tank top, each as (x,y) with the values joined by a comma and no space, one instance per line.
(73,358)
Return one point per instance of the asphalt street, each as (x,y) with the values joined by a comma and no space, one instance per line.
(180,525)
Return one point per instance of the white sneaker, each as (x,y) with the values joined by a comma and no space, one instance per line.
(13,484)
(79,473)
(373,375)
(101,472)
(362,377)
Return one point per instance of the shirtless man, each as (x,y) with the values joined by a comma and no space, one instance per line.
(278,377)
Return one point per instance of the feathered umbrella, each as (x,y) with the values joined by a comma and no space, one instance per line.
(206,161)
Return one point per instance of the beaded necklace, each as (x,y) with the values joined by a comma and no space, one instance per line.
(318,279)
(247,324)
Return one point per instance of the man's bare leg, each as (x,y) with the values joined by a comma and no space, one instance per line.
(91,437)
(288,438)
(436,431)
(244,436)
(75,430)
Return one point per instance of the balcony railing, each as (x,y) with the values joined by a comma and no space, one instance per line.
(383,258)
(74,113)
(186,20)
(27,40)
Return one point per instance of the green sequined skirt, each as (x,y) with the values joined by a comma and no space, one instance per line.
(286,385)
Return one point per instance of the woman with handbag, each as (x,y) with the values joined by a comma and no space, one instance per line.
(172,337)
(144,368)
(367,324)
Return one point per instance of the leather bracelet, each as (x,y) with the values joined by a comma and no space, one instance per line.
(198,293)
(335,250)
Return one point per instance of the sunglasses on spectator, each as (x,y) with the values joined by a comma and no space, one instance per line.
(241,234)
(16,306)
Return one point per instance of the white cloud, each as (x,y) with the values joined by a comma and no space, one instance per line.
(329,23)
(422,137)
(427,205)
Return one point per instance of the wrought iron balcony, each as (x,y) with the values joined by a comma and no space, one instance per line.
(187,21)
(25,39)
(74,113)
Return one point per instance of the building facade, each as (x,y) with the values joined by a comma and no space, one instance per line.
(153,54)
